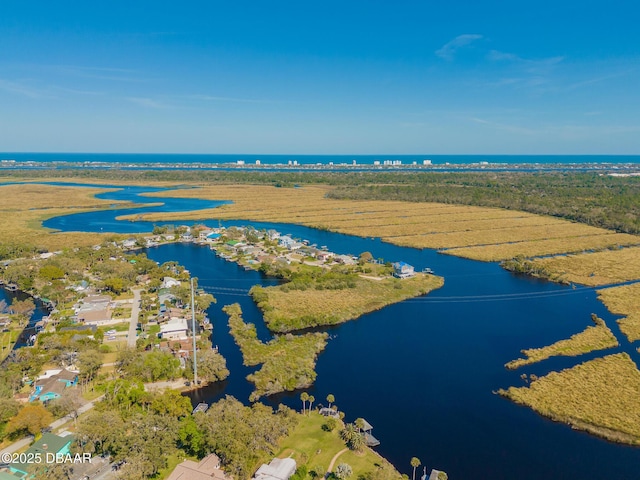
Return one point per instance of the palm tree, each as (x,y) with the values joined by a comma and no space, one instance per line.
(304,397)
(330,399)
(415,463)
(348,432)
(356,443)
(311,400)
(359,423)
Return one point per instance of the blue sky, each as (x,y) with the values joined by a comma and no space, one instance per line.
(352,77)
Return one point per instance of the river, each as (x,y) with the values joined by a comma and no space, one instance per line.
(423,371)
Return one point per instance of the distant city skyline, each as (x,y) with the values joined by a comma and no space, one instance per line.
(415,77)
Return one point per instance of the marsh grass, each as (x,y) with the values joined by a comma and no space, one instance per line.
(479,233)
(26,206)
(597,268)
(624,300)
(554,246)
(288,361)
(599,396)
(287,309)
(598,337)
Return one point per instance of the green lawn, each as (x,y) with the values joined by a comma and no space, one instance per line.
(118,327)
(310,445)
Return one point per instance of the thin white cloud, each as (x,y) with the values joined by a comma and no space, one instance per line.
(147,102)
(213,98)
(97,73)
(21,88)
(449,49)
(498,56)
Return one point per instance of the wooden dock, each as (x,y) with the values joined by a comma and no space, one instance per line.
(370,440)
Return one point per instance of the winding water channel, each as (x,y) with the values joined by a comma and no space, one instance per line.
(422,372)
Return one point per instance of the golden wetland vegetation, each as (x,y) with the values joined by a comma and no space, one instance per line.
(479,233)
(599,396)
(597,337)
(624,300)
(293,309)
(26,206)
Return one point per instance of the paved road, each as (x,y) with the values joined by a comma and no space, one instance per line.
(25,442)
(15,446)
(133,321)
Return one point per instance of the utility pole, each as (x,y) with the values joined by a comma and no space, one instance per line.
(193,332)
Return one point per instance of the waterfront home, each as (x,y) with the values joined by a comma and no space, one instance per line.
(48,444)
(174,329)
(286,241)
(129,243)
(168,282)
(52,383)
(278,469)
(206,469)
(329,412)
(273,234)
(345,259)
(403,270)
(323,256)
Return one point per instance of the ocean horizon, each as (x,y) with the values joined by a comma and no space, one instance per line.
(18,158)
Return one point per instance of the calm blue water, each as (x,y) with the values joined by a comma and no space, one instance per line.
(422,372)
(40,311)
(172,159)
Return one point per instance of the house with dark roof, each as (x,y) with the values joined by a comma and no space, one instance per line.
(51,385)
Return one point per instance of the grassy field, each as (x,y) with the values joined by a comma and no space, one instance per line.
(599,396)
(597,268)
(310,445)
(287,310)
(624,300)
(26,206)
(288,361)
(596,337)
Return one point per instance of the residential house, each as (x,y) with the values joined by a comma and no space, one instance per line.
(168,282)
(206,469)
(403,270)
(95,310)
(52,383)
(129,243)
(345,259)
(286,241)
(324,256)
(278,469)
(174,329)
(48,444)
